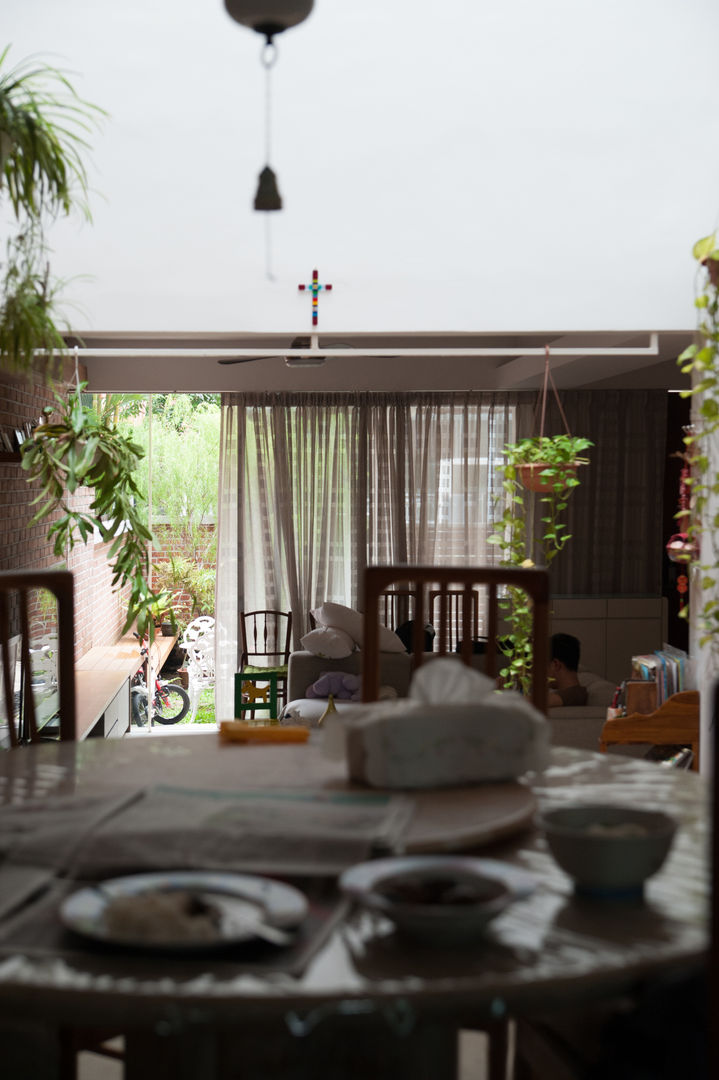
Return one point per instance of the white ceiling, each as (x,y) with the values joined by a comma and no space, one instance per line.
(470,166)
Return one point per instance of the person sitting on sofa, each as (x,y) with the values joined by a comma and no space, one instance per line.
(565,688)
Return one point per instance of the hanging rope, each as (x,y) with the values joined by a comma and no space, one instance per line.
(542,399)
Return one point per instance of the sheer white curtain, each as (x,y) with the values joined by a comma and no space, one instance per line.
(313,487)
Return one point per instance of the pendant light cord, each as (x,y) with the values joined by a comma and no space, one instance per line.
(269,58)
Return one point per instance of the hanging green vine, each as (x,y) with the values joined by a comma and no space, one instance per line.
(701,360)
(555,460)
(77,447)
(43,124)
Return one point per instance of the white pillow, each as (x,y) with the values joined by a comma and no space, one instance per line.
(352,622)
(344,618)
(329,642)
(388,641)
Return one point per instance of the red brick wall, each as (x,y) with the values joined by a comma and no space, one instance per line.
(99,614)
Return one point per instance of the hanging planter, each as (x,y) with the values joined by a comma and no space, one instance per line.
(547,465)
(544,476)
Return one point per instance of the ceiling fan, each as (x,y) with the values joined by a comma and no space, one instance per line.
(312,358)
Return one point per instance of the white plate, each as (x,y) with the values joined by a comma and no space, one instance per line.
(445,924)
(241,898)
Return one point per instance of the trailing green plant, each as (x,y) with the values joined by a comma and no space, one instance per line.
(77,447)
(701,361)
(525,547)
(28,322)
(553,450)
(43,123)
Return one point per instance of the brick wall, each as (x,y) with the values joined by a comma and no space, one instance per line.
(99,614)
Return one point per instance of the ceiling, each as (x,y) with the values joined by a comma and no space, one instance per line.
(164,362)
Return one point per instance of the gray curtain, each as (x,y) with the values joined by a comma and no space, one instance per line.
(615,515)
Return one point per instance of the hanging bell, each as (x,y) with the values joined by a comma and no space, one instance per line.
(269,17)
(268,196)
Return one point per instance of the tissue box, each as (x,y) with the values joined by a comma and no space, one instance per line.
(412,744)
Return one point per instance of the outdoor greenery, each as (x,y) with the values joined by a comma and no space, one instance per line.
(77,447)
(525,547)
(185,454)
(701,360)
(180,576)
(43,124)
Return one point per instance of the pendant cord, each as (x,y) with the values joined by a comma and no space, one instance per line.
(268,250)
(269,58)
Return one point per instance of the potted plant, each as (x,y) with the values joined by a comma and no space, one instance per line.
(557,457)
(544,462)
(77,447)
(43,122)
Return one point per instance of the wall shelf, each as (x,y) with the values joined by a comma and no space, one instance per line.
(6,455)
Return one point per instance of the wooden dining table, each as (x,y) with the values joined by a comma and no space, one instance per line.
(359,1001)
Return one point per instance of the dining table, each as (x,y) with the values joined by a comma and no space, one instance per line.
(350,996)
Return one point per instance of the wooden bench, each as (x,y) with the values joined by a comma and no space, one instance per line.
(102,685)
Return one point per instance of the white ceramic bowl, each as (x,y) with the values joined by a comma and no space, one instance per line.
(608,850)
(437,899)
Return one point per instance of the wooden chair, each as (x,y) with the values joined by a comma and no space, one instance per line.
(16,602)
(266,643)
(674,723)
(446,609)
(435,589)
(442,581)
(16,606)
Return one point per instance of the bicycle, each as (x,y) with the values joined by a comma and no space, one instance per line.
(170,703)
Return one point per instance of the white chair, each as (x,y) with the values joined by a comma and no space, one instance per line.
(199,643)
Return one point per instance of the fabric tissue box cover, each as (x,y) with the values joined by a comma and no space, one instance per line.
(455,729)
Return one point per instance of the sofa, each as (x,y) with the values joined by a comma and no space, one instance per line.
(576,726)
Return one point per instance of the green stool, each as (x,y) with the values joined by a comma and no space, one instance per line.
(254,674)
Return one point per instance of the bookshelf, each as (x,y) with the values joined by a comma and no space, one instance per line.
(675,722)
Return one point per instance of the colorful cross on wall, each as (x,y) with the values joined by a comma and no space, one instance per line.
(315,288)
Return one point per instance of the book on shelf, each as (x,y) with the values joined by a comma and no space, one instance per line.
(670,669)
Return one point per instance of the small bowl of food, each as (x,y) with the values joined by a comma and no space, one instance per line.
(608,851)
(442,899)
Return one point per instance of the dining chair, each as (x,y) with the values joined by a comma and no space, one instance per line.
(20,603)
(435,589)
(446,608)
(266,642)
(442,582)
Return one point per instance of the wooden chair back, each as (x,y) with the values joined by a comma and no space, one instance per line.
(441,581)
(446,609)
(16,600)
(266,637)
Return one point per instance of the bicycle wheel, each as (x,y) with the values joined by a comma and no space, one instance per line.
(138,703)
(172,703)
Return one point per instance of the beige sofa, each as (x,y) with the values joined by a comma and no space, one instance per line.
(576,726)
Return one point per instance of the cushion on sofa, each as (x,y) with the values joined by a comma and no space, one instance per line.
(599,691)
(329,642)
(352,622)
